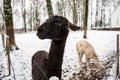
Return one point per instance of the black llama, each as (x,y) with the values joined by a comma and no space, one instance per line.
(55,28)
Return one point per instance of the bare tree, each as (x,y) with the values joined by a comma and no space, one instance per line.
(96,17)
(49,7)
(9,24)
(24,15)
(85,18)
(91,13)
(60,8)
(2,27)
(75,13)
(30,18)
(35,11)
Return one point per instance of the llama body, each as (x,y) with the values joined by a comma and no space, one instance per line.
(85,48)
(55,28)
(39,65)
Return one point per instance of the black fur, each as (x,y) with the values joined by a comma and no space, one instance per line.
(39,61)
(55,28)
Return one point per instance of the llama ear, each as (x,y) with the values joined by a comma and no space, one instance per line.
(73,27)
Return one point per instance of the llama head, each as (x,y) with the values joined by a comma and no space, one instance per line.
(55,28)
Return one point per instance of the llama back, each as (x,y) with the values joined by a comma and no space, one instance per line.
(87,48)
(39,65)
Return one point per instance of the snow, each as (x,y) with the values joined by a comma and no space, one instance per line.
(103,41)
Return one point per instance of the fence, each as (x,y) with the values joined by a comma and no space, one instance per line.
(7,48)
(117,56)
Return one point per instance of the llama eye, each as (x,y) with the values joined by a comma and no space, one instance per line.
(58,24)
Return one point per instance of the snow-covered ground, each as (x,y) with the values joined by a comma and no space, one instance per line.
(103,41)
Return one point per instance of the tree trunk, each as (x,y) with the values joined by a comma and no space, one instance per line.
(96,17)
(49,7)
(9,24)
(30,20)
(86,18)
(91,13)
(24,15)
(75,14)
(3,40)
(60,7)
(2,27)
(36,20)
(8,54)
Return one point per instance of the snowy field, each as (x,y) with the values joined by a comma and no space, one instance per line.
(103,41)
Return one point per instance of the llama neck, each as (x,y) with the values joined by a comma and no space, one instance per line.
(56,57)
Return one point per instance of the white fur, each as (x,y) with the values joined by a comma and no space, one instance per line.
(53,78)
(85,48)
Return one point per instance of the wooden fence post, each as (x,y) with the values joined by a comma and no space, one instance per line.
(117,56)
(8,54)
